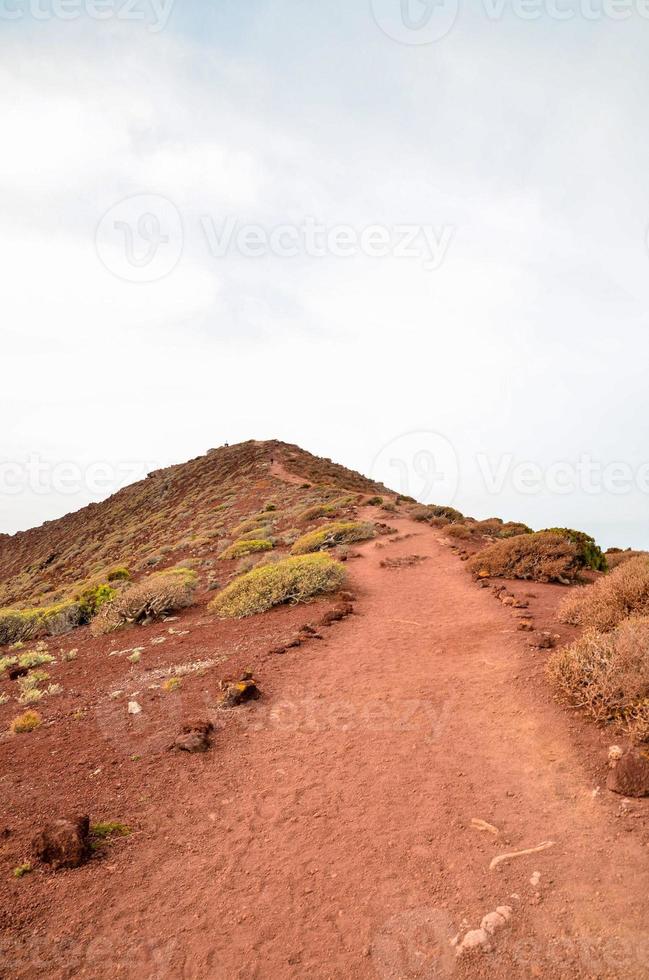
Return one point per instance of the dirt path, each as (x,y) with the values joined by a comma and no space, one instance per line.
(328,835)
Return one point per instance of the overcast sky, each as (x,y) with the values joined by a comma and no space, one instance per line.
(409,238)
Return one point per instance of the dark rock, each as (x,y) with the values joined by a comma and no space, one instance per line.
(64,843)
(239,692)
(336,614)
(195,737)
(630,777)
(15,672)
(545,641)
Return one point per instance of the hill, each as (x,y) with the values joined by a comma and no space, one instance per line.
(180,512)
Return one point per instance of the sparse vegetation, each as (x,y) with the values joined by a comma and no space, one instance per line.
(246,547)
(153,597)
(294,579)
(540,557)
(102,832)
(26,722)
(333,534)
(22,870)
(604,604)
(607,674)
(172,684)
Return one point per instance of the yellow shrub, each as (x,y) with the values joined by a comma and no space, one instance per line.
(241,548)
(27,722)
(339,532)
(29,624)
(290,580)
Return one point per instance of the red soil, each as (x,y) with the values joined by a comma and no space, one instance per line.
(328,832)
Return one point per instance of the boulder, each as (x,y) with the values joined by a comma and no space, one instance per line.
(630,775)
(64,843)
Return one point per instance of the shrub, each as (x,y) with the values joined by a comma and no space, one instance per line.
(27,722)
(246,547)
(290,580)
(590,554)
(92,598)
(541,557)
(607,674)
(153,597)
(375,502)
(28,624)
(616,557)
(622,593)
(331,509)
(332,534)
(35,658)
(120,574)
(426,512)
(459,531)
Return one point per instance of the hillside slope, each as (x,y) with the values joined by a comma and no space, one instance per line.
(178,511)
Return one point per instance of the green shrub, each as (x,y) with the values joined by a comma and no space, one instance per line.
(332,534)
(375,502)
(93,598)
(290,580)
(590,554)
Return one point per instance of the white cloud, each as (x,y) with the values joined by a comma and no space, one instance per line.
(530,339)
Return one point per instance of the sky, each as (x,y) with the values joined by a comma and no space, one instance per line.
(409,236)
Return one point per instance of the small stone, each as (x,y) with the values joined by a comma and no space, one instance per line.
(134,708)
(195,737)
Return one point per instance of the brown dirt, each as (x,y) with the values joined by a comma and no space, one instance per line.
(328,832)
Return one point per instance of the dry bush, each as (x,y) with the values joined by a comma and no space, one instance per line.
(153,597)
(340,532)
(622,593)
(540,557)
(428,512)
(290,580)
(462,532)
(607,674)
(616,558)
